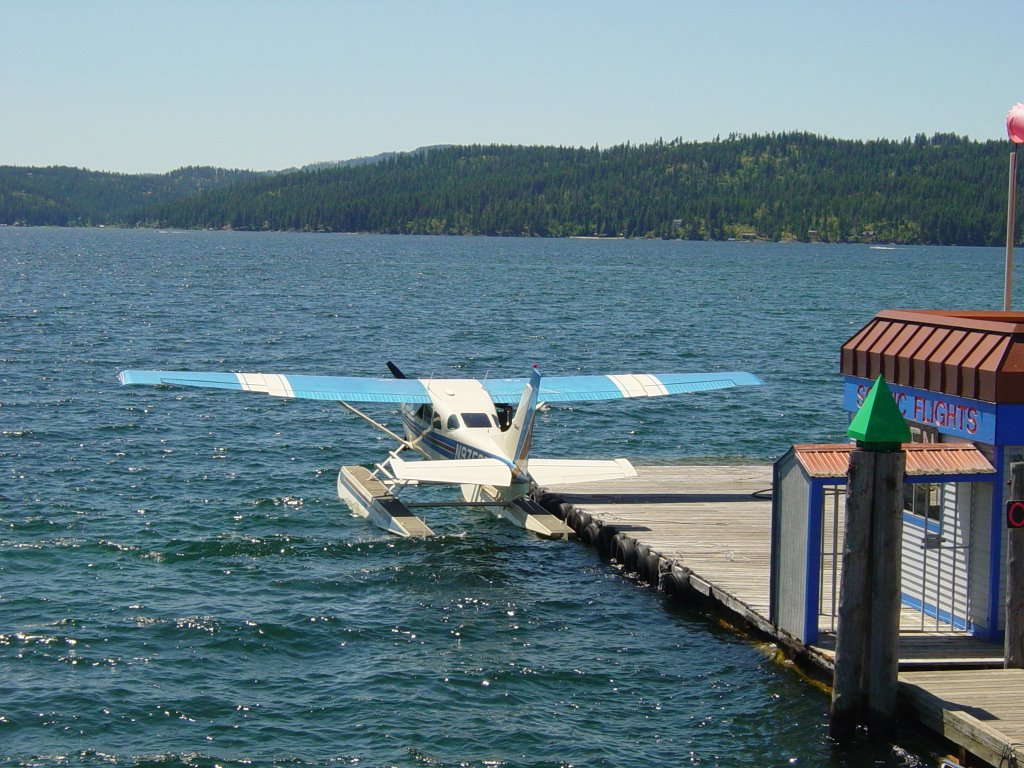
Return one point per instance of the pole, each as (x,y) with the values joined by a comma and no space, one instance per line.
(1011,214)
(1013,656)
(849,691)
(864,680)
(866,669)
(886,572)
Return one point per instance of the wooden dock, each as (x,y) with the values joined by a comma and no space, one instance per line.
(706,530)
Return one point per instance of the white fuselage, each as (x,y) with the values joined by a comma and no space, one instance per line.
(463,422)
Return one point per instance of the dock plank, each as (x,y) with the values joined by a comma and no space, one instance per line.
(978,709)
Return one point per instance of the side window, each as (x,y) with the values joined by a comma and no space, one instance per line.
(505,415)
(436,422)
(923,500)
(453,422)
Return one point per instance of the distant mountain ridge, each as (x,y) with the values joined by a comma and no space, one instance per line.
(64,196)
(70,196)
(942,189)
(366,160)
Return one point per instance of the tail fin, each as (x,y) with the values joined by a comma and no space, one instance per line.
(519,437)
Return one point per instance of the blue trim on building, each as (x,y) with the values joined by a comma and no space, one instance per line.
(1009,424)
(776,546)
(929,526)
(928,609)
(812,594)
(991,631)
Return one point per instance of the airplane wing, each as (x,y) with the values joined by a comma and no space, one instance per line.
(360,389)
(354,389)
(562,389)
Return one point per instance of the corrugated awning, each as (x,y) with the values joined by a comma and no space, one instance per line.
(977,355)
(923,460)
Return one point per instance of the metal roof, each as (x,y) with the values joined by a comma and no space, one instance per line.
(923,459)
(973,354)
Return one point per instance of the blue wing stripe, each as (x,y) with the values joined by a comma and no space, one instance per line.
(681,383)
(182,379)
(563,389)
(357,389)
(349,388)
(506,390)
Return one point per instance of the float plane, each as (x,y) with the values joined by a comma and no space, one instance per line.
(475,433)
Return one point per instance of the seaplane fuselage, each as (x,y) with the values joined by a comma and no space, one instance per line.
(460,423)
(463,423)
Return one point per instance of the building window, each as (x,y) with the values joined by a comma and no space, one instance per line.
(923,500)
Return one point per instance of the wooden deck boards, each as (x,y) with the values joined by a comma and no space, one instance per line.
(719,530)
(978,709)
(712,524)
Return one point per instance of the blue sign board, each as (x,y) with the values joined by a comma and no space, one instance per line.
(950,415)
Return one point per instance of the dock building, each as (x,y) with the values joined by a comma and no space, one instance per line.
(958,378)
(713,533)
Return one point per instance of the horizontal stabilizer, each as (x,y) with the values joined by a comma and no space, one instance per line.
(469,471)
(557,471)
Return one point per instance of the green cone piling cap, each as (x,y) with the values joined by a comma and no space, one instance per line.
(879,425)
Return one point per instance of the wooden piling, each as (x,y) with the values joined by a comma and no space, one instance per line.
(865,680)
(883,643)
(848,687)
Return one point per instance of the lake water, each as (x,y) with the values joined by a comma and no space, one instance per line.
(179,584)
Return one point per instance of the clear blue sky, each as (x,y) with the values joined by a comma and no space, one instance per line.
(146,86)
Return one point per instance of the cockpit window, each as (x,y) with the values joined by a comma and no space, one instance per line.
(453,422)
(476,420)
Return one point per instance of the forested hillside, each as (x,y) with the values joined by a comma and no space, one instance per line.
(60,196)
(939,190)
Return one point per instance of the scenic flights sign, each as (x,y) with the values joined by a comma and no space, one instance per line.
(950,415)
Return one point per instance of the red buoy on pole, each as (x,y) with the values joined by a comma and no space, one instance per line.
(1015,130)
